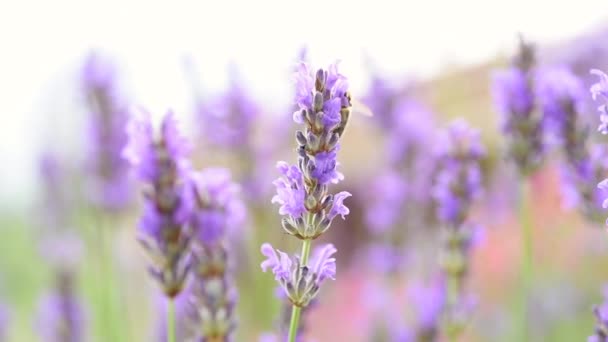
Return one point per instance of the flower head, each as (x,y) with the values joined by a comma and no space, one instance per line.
(458,182)
(560,95)
(601,317)
(290,190)
(277,261)
(428,301)
(108,182)
(514,99)
(338,207)
(160,161)
(513,95)
(228,120)
(300,282)
(219,208)
(60,318)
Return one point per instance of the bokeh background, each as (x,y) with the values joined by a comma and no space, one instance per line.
(192,57)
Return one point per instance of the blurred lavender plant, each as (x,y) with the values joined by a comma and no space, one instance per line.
(160,162)
(4,323)
(601,316)
(302,191)
(599,91)
(392,199)
(561,98)
(218,210)
(428,302)
(514,98)
(110,186)
(457,185)
(228,122)
(61,316)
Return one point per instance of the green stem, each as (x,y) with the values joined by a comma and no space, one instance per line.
(104,307)
(296,310)
(527,257)
(170,320)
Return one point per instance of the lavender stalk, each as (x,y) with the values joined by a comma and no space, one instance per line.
(302,192)
(159,159)
(524,129)
(457,185)
(61,315)
(217,214)
(599,91)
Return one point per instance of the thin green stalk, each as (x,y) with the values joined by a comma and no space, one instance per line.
(170,320)
(103,294)
(527,257)
(296,310)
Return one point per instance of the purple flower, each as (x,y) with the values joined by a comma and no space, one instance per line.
(458,182)
(277,261)
(580,188)
(60,318)
(601,317)
(300,283)
(305,82)
(513,95)
(109,184)
(219,208)
(160,161)
(599,91)
(307,206)
(228,120)
(324,170)
(560,94)
(457,185)
(63,251)
(385,208)
(151,157)
(290,190)
(412,131)
(324,265)
(338,207)
(217,212)
(428,301)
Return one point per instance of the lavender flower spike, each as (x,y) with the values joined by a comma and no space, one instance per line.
(160,162)
(303,190)
(601,316)
(218,210)
(60,315)
(109,181)
(457,185)
(514,98)
(560,95)
(600,91)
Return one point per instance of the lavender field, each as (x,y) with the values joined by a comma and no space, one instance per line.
(178,173)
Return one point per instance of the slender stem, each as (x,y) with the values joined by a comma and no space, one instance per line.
(527,257)
(106,325)
(296,310)
(170,320)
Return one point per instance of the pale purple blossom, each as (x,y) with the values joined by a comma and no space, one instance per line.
(601,317)
(291,274)
(108,181)
(159,159)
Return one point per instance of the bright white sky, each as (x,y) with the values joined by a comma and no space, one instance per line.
(41,43)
